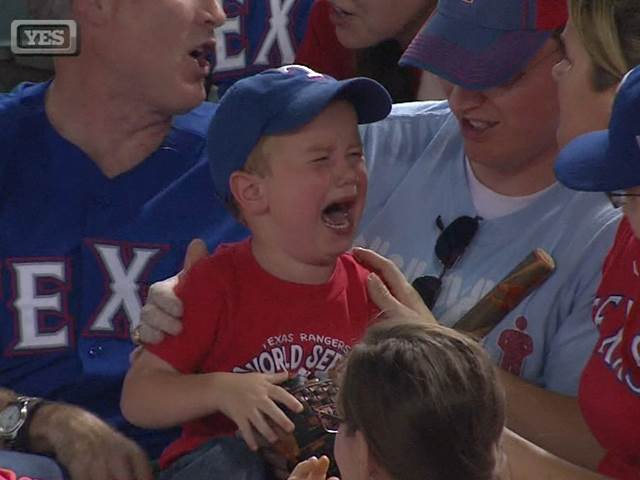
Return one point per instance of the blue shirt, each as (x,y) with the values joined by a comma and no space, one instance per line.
(78,251)
(417,172)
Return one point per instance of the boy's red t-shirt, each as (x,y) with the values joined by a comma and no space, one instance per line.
(239,318)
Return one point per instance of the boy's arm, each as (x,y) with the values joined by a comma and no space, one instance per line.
(156,395)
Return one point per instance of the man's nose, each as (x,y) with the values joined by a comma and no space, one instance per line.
(214,12)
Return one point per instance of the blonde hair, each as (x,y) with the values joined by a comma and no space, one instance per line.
(610,32)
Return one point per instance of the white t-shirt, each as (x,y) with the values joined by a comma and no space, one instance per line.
(490,204)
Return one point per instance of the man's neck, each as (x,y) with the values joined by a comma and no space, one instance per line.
(115,130)
(532,176)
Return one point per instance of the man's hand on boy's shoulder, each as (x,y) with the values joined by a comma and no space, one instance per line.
(249,399)
(162,312)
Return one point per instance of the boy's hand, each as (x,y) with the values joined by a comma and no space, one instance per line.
(312,469)
(249,399)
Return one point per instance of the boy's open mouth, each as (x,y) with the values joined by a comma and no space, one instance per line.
(337,215)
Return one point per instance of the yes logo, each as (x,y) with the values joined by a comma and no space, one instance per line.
(44,37)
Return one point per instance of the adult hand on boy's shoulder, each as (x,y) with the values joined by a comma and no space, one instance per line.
(389,289)
(85,445)
(249,399)
(162,312)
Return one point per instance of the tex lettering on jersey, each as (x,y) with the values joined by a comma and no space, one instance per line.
(99,293)
(619,343)
(258,34)
(301,353)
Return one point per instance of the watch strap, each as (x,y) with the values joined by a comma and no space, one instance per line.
(31,405)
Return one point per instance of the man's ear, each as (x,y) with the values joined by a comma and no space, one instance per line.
(249,190)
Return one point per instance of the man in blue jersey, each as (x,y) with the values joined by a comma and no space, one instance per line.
(487,153)
(103,182)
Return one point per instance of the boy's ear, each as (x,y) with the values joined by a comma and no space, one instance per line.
(249,191)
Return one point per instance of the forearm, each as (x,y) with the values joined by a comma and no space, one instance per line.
(550,420)
(526,461)
(43,426)
(160,399)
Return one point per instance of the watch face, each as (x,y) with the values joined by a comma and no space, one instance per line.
(9,418)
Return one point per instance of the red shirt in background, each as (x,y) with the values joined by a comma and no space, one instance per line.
(609,394)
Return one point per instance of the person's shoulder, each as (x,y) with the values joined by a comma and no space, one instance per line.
(214,271)
(587,224)
(595,209)
(428,108)
(417,116)
(223,257)
(22,103)
(196,121)
(353,267)
(22,115)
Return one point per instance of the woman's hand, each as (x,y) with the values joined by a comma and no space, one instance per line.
(390,290)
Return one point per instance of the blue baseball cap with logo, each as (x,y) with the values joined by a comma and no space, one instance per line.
(278,101)
(607,160)
(481,44)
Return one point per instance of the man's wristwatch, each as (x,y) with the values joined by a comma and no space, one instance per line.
(15,419)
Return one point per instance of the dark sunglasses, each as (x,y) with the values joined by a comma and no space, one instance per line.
(620,199)
(451,244)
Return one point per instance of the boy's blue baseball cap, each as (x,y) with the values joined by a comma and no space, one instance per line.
(481,44)
(277,101)
(610,159)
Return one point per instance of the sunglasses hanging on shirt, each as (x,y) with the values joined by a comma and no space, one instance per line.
(450,245)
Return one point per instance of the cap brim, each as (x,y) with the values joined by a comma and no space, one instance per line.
(371,101)
(474,57)
(586,163)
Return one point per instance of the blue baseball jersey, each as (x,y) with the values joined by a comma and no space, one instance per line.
(258,34)
(78,251)
(417,171)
